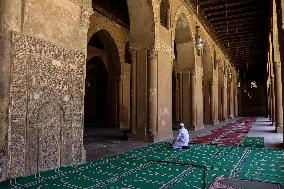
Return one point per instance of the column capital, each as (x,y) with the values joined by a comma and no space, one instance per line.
(133,52)
(212,82)
(152,53)
(193,74)
(84,19)
(276,63)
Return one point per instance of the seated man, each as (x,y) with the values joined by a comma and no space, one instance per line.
(182,139)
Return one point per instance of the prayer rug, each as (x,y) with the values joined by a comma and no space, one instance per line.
(230,134)
(160,166)
(253,142)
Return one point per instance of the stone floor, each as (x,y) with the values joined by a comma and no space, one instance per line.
(263,128)
(102,142)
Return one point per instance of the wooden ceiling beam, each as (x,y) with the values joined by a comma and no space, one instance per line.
(239,10)
(247,34)
(234,27)
(250,32)
(230,6)
(213,2)
(245,20)
(237,20)
(221,16)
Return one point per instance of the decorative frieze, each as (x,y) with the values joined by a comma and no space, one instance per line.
(84,20)
(164,48)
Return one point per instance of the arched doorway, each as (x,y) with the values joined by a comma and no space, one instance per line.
(101,105)
(103,70)
(183,68)
(96,92)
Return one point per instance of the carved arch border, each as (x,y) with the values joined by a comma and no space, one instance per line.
(107,26)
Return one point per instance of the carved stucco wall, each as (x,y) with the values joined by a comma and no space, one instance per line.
(64,23)
(46,106)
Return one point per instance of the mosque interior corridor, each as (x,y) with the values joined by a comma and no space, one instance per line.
(93,92)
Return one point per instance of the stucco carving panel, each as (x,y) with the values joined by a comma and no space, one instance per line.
(164,48)
(45,116)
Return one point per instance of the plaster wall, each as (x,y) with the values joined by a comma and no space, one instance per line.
(164,124)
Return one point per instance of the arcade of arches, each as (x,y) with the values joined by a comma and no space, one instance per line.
(70,65)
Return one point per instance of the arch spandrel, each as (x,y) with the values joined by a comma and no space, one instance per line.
(143,19)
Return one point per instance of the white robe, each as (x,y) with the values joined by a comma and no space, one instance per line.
(182,138)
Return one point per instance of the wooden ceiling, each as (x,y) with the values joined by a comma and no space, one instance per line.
(241,26)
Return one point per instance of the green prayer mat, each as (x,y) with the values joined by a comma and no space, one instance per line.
(253,142)
(160,166)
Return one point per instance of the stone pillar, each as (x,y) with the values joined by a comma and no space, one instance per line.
(278,95)
(212,103)
(269,102)
(119,101)
(216,99)
(152,93)
(269,99)
(180,96)
(232,100)
(273,118)
(133,110)
(236,100)
(193,101)
(224,92)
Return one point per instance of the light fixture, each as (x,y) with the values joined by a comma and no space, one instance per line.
(198,39)
(230,74)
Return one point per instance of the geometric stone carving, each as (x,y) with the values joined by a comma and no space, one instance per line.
(46,106)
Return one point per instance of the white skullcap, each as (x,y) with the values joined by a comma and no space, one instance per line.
(181,124)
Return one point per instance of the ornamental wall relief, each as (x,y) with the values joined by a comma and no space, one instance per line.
(46,111)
